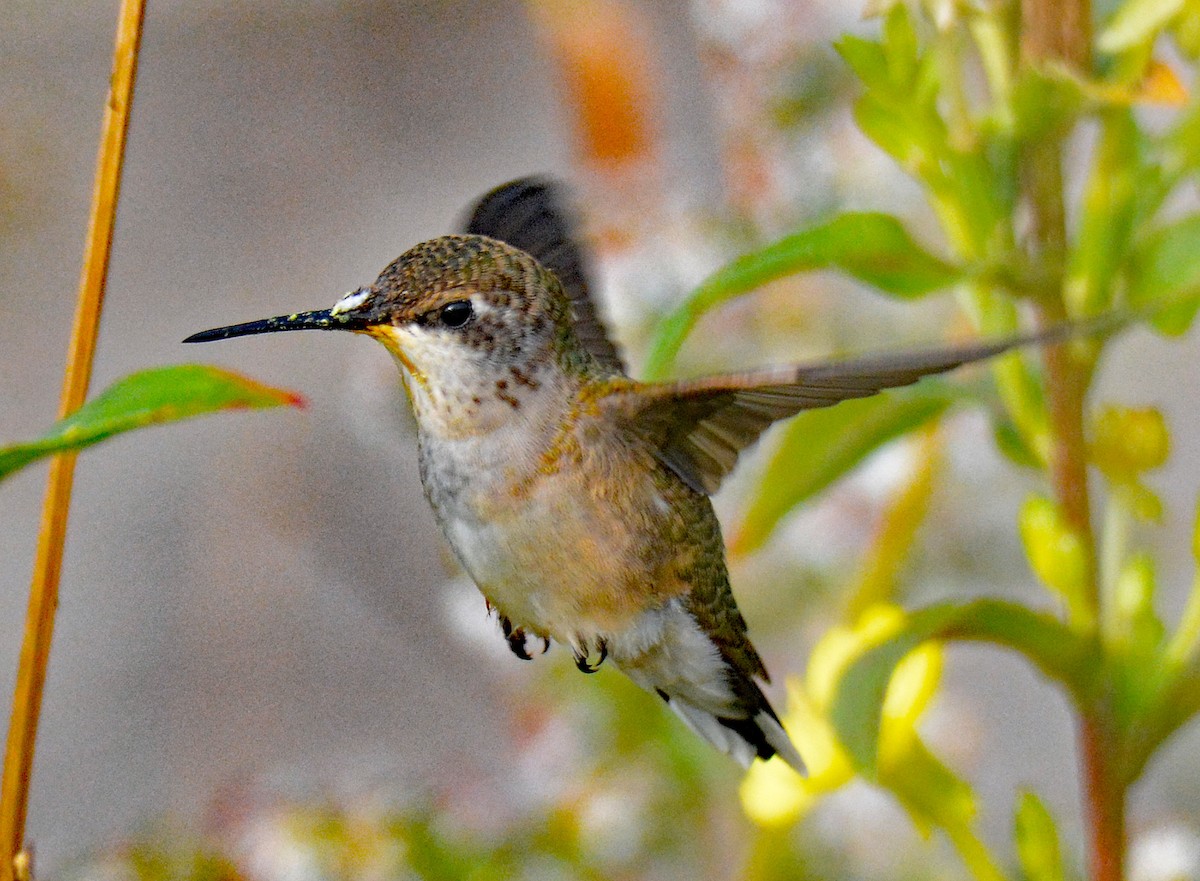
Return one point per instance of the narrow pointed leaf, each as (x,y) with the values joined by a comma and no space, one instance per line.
(822,446)
(1105,226)
(1060,653)
(867,59)
(1037,840)
(874,248)
(164,394)
(1166,275)
(1136,22)
(1176,703)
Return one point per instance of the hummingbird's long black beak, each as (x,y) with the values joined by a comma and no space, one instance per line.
(322,319)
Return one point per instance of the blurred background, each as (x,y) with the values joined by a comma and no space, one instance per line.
(262,643)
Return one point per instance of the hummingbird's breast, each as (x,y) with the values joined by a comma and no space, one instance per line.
(569,529)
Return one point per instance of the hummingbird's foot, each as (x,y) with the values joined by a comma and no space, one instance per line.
(581,656)
(515,636)
(516,643)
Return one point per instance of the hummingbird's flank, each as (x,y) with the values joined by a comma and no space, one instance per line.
(576,497)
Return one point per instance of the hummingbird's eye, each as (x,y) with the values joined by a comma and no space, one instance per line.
(456,314)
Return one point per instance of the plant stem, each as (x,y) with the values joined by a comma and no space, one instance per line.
(43,592)
(1104,795)
(1066,388)
(1059,32)
(1104,790)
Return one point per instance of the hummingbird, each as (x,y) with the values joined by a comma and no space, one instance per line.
(576,497)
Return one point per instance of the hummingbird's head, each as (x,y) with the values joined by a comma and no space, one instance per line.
(471,319)
(458,305)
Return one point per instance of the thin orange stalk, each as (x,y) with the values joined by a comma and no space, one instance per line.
(43,592)
(1059,31)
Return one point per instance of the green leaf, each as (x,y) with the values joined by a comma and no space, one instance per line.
(1056,553)
(1187,30)
(892,68)
(821,446)
(164,394)
(867,59)
(1010,442)
(1127,441)
(1181,144)
(1137,621)
(892,545)
(1045,102)
(894,133)
(1137,21)
(1165,275)
(1017,379)
(1176,702)
(1110,204)
(1059,652)
(901,46)
(1037,840)
(1177,679)
(874,248)
(1185,643)
(933,795)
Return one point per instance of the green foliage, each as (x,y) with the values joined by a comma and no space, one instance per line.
(1037,840)
(151,397)
(873,248)
(1056,554)
(1127,442)
(1059,652)
(821,446)
(1110,204)
(975,156)
(1165,274)
(945,92)
(1137,21)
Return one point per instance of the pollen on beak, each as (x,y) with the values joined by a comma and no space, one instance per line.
(350,302)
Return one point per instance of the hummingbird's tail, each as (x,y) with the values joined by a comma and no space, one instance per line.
(759,736)
(667,652)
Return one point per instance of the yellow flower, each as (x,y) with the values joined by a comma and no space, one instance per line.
(774,795)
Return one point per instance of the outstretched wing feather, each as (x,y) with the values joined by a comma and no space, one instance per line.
(699,427)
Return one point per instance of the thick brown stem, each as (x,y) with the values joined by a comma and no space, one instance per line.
(43,592)
(1058,31)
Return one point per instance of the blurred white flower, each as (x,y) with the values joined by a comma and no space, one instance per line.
(1167,853)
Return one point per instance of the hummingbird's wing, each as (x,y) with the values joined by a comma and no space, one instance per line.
(699,427)
(531,214)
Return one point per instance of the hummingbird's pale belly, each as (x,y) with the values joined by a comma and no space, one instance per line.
(553,568)
(552,563)
(570,554)
(604,551)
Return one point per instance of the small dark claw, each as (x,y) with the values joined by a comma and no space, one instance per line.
(516,642)
(581,658)
(515,637)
